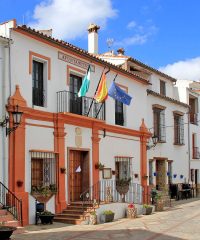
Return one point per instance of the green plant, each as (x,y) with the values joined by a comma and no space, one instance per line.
(93,213)
(46,213)
(146,206)
(108,212)
(123,182)
(63,170)
(99,166)
(44,190)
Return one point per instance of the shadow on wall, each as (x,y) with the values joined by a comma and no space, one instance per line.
(103,233)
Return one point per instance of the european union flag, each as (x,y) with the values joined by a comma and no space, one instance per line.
(118,94)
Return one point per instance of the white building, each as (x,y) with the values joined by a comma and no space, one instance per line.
(54,154)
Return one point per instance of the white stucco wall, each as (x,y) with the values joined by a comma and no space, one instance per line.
(179,154)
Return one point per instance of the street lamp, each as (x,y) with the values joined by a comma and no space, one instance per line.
(154,140)
(16,121)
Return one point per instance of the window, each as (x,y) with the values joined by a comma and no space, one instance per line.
(75,101)
(119,113)
(43,171)
(178,129)
(193,102)
(159,124)
(162,88)
(195,149)
(38,84)
(123,167)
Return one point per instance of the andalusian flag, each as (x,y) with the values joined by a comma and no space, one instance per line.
(85,84)
(102,91)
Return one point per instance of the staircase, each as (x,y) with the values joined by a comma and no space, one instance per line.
(10,207)
(75,213)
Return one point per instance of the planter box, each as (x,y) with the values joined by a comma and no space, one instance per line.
(159,206)
(107,218)
(147,211)
(46,219)
(6,232)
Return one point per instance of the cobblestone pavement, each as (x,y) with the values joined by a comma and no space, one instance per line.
(177,223)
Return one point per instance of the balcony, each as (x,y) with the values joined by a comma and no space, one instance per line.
(194,118)
(70,102)
(196,153)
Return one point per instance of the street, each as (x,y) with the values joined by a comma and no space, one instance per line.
(179,222)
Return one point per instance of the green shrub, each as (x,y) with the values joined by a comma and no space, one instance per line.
(108,212)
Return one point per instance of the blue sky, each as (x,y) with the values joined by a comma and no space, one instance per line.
(156,32)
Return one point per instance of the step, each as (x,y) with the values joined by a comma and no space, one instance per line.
(74,216)
(12,223)
(67,220)
(5,218)
(73,211)
(80,208)
(80,204)
(3,212)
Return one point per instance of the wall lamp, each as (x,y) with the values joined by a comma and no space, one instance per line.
(16,121)
(152,143)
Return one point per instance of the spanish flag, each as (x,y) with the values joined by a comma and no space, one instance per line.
(102,91)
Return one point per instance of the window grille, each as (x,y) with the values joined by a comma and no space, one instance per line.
(44,171)
(178,129)
(159,124)
(123,167)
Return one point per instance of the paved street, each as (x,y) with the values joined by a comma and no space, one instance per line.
(180,222)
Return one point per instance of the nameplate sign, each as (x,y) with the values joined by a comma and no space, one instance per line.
(75,61)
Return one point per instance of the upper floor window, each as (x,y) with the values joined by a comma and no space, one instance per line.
(193,102)
(195,149)
(38,98)
(178,129)
(162,88)
(119,113)
(159,124)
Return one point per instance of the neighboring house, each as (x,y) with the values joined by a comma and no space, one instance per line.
(166,117)
(189,92)
(55,135)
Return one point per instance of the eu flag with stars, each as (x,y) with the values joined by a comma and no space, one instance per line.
(118,94)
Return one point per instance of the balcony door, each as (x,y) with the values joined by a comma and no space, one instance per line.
(75,101)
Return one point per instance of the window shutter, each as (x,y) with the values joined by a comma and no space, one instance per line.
(181,130)
(162,126)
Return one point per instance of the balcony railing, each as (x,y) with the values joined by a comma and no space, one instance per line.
(196,153)
(70,102)
(194,118)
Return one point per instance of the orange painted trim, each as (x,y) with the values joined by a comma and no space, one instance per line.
(123,157)
(41,150)
(39,125)
(75,69)
(78,55)
(34,54)
(123,87)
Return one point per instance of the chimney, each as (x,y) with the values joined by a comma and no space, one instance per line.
(121,51)
(93,38)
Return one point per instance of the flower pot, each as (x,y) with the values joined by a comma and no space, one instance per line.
(147,211)
(107,217)
(19,183)
(93,219)
(6,232)
(63,170)
(46,219)
(131,212)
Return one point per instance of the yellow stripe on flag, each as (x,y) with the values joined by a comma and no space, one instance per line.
(102,91)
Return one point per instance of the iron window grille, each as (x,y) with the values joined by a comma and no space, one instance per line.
(178,129)
(123,167)
(44,172)
(159,124)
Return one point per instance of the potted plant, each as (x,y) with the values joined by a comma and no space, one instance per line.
(107,216)
(147,209)
(122,186)
(113,172)
(6,232)
(46,217)
(93,218)
(63,170)
(99,166)
(131,211)
(19,183)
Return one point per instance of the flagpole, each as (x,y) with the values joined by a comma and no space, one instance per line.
(104,102)
(96,90)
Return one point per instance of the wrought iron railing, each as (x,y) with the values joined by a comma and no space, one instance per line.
(105,191)
(10,202)
(70,102)
(194,118)
(196,153)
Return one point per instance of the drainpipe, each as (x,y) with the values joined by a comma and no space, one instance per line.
(189,155)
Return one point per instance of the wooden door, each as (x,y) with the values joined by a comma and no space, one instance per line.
(78,174)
